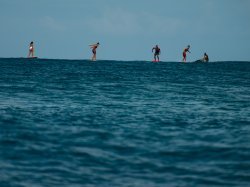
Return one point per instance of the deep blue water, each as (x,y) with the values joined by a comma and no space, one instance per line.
(111,123)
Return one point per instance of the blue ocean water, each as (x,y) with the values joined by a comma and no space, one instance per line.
(117,123)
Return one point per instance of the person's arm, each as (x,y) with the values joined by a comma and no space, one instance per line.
(92,46)
(153,49)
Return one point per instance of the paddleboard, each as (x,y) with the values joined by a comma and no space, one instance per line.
(199,61)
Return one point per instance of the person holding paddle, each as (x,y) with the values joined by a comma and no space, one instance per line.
(94,47)
(184,54)
(157,53)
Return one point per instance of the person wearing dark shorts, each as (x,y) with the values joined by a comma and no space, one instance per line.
(157,53)
(94,47)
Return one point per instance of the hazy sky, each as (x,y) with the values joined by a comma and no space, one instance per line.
(126,29)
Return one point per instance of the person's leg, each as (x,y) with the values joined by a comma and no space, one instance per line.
(184,57)
(93,56)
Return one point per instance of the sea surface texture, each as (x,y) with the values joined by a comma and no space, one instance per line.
(125,124)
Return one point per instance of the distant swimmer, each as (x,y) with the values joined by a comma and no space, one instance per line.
(205,58)
(94,47)
(185,53)
(157,53)
(31,50)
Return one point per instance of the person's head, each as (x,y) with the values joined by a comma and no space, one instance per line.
(98,43)
(31,42)
(156,46)
(188,46)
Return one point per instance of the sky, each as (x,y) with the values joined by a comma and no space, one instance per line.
(126,29)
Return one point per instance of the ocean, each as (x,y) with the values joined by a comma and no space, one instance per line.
(124,123)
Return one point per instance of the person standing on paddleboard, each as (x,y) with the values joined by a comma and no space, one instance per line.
(31,50)
(184,54)
(157,53)
(94,47)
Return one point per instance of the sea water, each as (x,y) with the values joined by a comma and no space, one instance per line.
(117,123)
